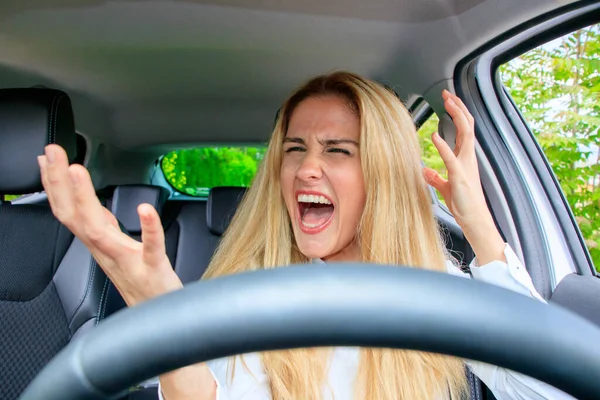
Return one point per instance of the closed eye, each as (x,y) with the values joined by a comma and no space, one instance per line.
(295,148)
(339,150)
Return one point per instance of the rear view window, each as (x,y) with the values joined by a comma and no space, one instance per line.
(195,171)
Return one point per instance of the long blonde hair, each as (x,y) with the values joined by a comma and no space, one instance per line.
(397,227)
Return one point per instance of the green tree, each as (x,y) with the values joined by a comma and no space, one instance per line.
(195,171)
(431,157)
(557,88)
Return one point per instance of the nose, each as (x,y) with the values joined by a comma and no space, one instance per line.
(310,168)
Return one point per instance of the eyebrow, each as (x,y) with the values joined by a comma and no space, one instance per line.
(328,142)
(293,140)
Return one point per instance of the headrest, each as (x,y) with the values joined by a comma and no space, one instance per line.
(127,198)
(221,206)
(30,119)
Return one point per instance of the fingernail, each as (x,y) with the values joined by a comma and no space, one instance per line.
(144,214)
(74,177)
(41,161)
(429,176)
(50,155)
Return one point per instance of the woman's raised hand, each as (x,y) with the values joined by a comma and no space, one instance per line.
(462,191)
(139,271)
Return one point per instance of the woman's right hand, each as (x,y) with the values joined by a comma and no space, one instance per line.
(139,271)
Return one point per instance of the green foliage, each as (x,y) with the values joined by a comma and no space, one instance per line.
(195,171)
(557,88)
(10,197)
(430,155)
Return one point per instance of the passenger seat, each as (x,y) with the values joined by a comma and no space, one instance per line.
(51,289)
(123,202)
(193,229)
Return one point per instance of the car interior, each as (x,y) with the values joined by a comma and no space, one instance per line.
(118,84)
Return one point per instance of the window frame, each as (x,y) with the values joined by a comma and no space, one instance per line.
(538,210)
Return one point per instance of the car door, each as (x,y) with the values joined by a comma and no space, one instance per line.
(535,95)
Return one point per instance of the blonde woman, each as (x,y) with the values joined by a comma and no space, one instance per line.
(341,181)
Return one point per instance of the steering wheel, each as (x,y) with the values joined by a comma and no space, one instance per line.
(338,305)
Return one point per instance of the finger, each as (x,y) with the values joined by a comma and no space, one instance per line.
(465,126)
(57,185)
(433,178)
(153,236)
(458,101)
(111,219)
(445,152)
(464,131)
(92,225)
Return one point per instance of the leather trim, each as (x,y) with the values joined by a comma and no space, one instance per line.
(81,285)
(127,198)
(221,206)
(86,327)
(31,119)
(196,244)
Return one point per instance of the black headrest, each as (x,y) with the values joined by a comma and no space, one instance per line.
(127,198)
(221,206)
(30,119)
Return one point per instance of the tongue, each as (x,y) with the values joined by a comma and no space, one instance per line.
(317,214)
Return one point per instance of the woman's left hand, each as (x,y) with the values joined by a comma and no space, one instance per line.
(462,191)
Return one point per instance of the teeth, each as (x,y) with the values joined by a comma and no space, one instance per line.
(313,198)
(310,225)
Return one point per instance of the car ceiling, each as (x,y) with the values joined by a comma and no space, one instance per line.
(146,73)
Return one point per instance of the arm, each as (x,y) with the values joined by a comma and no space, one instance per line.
(242,379)
(194,382)
(139,270)
(506,384)
(496,263)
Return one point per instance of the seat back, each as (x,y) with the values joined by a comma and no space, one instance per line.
(126,199)
(51,289)
(193,230)
(123,202)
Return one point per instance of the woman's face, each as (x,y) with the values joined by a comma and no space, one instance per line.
(322,180)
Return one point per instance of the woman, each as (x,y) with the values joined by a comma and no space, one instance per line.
(341,181)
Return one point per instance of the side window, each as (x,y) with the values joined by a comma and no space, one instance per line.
(194,172)
(431,157)
(557,88)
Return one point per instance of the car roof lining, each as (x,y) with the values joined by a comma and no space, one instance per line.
(160,74)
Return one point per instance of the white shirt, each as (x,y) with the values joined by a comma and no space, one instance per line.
(251,382)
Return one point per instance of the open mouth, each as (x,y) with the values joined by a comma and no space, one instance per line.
(316,212)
